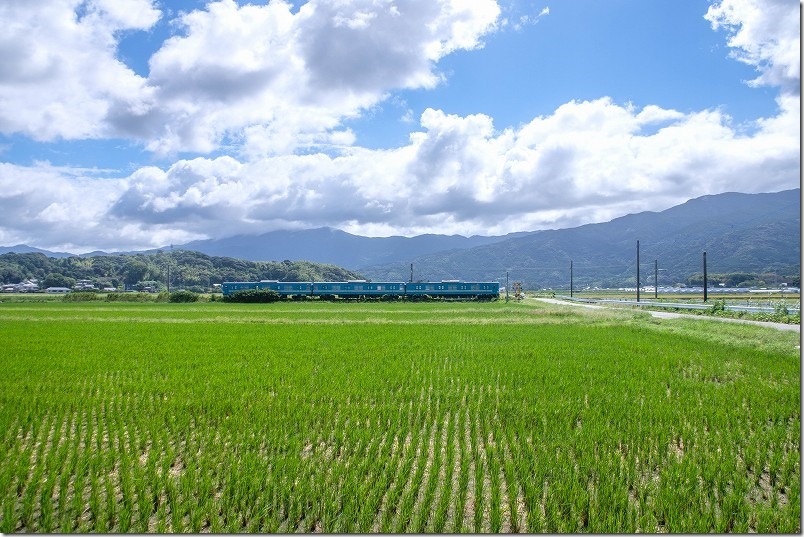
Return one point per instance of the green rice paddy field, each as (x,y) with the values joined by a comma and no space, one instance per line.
(393,417)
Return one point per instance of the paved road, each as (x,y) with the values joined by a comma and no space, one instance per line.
(668,315)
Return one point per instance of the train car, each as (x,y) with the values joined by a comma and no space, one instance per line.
(285,289)
(358,288)
(227,288)
(290,289)
(453,289)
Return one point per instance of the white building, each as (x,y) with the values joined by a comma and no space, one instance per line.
(58,290)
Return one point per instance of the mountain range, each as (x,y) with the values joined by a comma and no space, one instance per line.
(320,245)
(740,233)
(333,246)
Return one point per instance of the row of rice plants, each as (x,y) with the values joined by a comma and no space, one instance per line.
(406,427)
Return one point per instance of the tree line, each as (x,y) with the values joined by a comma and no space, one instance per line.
(186,269)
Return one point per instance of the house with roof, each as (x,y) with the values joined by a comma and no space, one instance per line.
(58,290)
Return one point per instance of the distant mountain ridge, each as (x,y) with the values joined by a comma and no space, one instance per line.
(25,249)
(328,245)
(739,232)
(318,245)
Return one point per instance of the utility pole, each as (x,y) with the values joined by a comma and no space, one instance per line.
(637,271)
(506,286)
(168,270)
(570,278)
(705,279)
(411,273)
(656,279)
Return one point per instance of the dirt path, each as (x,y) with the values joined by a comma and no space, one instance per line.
(668,315)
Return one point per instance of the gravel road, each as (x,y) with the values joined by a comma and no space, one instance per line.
(668,315)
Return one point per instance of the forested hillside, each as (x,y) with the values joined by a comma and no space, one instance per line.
(187,270)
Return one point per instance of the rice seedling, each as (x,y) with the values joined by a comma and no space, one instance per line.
(392,417)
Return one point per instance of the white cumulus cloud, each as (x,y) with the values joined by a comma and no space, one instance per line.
(765,34)
(59,73)
(231,71)
(588,161)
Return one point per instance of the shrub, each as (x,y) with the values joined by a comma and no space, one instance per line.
(718,306)
(79,297)
(130,297)
(253,296)
(183,296)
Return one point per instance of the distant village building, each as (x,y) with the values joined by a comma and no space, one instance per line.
(58,290)
(27,286)
(84,285)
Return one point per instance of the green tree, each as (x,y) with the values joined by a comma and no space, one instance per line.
(11,273)
(134,271)
(57,280)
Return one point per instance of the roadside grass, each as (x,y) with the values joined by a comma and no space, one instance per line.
(395,417)
(786,306)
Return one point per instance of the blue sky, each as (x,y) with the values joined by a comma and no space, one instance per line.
(655,52)
(138,123)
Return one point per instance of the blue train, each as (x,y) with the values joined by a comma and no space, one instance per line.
(363,288)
